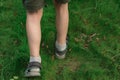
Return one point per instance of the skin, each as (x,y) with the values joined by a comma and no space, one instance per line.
(33,27)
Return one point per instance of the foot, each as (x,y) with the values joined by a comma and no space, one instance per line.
(33,69)
(61,54)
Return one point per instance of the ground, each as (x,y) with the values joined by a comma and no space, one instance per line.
(94,42)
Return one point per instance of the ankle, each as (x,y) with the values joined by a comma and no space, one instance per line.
(60,46)
(35,59)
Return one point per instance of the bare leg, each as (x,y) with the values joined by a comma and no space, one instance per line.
(34,32)
(62,19)
(34,39)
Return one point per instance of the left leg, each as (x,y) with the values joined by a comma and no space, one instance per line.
(62,19)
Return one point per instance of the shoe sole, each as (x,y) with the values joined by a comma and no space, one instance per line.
(32,74)
(60,56)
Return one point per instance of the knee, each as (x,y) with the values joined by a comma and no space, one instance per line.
(33,5)
(35,16)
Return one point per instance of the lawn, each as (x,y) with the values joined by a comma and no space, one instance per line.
(94,44)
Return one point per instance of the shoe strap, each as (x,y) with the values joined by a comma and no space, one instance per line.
(34,64)
(61,52)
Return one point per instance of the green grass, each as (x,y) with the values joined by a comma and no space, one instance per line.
(94,49)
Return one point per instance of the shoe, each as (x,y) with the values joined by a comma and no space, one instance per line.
(33,70)
(61,54)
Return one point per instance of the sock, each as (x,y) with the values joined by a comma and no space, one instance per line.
(60,47)
(35,59)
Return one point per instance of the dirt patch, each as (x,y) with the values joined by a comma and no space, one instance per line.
(73,64)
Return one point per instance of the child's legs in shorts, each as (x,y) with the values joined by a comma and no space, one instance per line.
(34,15)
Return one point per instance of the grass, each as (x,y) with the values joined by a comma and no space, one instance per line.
(94,49)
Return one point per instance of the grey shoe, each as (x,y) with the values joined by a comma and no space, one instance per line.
(61,54)
(33,69)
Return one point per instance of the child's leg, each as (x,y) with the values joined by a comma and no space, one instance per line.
(62,19)
(34,32)
(34,15)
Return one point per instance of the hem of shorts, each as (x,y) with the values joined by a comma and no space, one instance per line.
(34,10)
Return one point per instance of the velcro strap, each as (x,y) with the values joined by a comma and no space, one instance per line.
(34,64)
(61,52)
